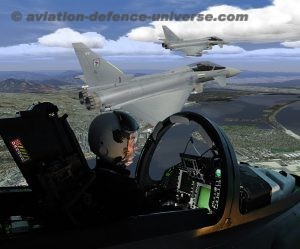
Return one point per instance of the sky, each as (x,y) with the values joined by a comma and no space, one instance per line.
(268,41)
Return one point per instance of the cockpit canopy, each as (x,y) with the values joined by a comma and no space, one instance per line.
(205,66)
(194,170)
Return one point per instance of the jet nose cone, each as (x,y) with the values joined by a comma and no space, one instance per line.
(233,71)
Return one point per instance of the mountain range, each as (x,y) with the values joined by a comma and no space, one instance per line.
(25,86)
(47,81)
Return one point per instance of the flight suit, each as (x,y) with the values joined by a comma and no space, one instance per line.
(116,194)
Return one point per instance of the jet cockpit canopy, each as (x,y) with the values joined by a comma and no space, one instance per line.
(205,66)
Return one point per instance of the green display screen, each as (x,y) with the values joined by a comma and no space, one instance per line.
(203,198)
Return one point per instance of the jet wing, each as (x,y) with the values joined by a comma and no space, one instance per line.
(193,50)
(221,80)
(157,107)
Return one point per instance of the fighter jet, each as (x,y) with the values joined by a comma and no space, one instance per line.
(193,47)
(150,98)
(205,199)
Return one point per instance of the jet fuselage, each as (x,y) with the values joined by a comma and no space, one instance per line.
(145,86)
(190,43)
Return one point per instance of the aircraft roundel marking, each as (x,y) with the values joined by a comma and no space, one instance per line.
(96,62)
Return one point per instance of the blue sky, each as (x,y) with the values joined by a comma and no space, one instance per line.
(268,41)
(15,33)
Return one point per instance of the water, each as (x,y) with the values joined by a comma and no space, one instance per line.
(289,117)
(249,110)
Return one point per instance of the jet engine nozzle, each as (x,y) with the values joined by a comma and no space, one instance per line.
(92,102)
(81,98)
(165,45)
(82,95)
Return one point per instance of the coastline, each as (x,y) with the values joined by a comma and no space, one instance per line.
(276,124)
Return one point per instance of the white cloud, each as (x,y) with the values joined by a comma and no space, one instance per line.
(64,37)
(60,43)
(126,46)
(275,52)
(145,34)
(268,54)
(47,54)
(277,22)
(291,44)
(123,46)
(56,46)
(32,49)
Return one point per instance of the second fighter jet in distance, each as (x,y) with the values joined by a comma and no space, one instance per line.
(193,47)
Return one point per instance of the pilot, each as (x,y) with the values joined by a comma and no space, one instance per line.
(112,137)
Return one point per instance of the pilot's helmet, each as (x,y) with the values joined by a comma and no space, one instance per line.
(112,137)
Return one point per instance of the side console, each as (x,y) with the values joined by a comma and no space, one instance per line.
(48,155)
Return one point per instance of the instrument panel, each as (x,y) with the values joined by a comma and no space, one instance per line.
(196,182)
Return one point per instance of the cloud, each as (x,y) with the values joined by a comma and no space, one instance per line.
(52,53)
(64,37)
(293,44)
(277,22)
(32,49)
(60,42)
(124,46)
(275,53)
(268,54)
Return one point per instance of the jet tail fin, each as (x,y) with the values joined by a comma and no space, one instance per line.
(96,70)
(169,35)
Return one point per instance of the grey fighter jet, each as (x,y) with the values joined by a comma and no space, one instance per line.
(150,98)
(193,47)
